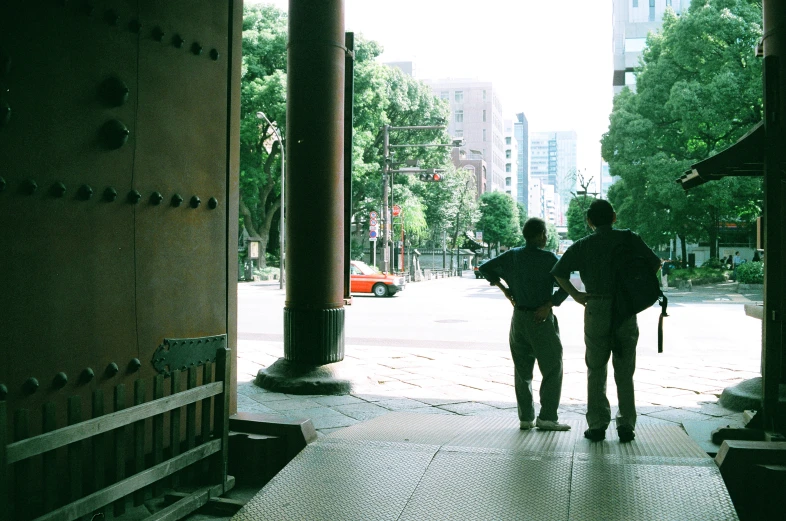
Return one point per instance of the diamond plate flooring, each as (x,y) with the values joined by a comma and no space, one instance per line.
(409,467)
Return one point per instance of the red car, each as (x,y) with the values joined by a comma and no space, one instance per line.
(364,279)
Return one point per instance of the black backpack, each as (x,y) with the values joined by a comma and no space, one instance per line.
(636,285)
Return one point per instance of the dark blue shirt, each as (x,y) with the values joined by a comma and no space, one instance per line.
(527,272)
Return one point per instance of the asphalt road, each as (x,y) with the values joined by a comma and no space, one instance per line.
(706,324)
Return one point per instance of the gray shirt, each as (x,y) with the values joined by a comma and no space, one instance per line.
(527,272)
(591,257)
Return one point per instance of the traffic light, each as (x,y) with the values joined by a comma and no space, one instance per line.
(431,175)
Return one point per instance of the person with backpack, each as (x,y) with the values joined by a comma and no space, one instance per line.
(534,331)
(610,327)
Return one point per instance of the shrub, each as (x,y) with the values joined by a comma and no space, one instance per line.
(698,276)
(751,273)
(712,263)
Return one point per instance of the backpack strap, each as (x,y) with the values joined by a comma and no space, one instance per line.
(663,300)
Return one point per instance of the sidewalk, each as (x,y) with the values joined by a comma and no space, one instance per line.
(680,387)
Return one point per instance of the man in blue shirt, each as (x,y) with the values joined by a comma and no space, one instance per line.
(534,331)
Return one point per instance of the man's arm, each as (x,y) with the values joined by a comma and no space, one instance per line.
(578,296)
(506,291)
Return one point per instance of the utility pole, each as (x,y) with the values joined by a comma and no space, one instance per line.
(387,182)
(386,228)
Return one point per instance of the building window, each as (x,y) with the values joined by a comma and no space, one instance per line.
(458,132)
(458,96)
(445,94)
(668,3)
(484,94)
(459,116)
(507,154)
(635,3)
(484,134)
(652,10)
(507,140)
(507,167)
(507,181)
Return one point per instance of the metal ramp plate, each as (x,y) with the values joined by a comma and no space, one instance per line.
(408,466)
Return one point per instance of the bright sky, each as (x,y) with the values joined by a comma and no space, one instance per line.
(551,60)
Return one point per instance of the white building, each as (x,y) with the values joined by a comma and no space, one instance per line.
(476,116)
(521,136)
(511,160)
(553,161)
(631,21)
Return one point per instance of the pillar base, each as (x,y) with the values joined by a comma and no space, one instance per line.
(746,395)
(314,336)
(286,376)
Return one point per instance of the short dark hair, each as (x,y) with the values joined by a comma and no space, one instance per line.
(600,212)
(533,228)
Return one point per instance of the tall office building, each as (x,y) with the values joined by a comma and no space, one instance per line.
(521,135)
(476,116)
(631,21)
(553,162)
(511,160)
(606,180)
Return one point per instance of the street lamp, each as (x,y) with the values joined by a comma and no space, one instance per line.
(261,115)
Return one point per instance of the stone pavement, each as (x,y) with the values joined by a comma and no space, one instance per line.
(680,386)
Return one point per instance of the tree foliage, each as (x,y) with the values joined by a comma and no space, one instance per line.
(698,90)
(499,219)
(577,217)
(382,96)
(263,89)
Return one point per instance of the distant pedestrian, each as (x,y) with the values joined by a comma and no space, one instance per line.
(736,261)
(756,257)
(592,258)
(664,273)
(534,330)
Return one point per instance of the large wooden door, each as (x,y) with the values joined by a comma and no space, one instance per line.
(108,111)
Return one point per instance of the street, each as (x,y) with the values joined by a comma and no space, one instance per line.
(443,344)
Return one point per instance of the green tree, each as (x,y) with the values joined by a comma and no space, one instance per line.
(552,237)
(698,90)
(386,96)
(577,217)
(382,96)
(263,88)
(499,219)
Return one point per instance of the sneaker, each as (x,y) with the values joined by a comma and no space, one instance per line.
(625,434)
(595,434)
(548,425)
(525,425)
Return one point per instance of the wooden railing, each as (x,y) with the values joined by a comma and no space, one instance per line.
(101,476)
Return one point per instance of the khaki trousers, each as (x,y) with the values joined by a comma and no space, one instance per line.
(531,341)
(601,344)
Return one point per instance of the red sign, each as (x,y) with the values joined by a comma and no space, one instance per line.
(396,210)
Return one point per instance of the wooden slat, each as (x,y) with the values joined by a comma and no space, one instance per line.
(129,485)
(99,444)
(158,432)
(181,508)
(139,440)
(51,481)
(5,492)
(119,463)
(74,451)
(207,377)
(20,450)
(174,425)
(22,474)
(191,420)
(221,429)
